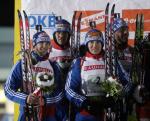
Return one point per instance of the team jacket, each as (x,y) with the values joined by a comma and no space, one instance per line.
(14,83)
(89,71)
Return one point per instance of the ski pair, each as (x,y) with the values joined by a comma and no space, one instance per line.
(110,60)
(75,37)
(25,52)
(140,60)
(31,111)
(136,74)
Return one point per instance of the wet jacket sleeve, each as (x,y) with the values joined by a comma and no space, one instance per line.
(14,84)
(73,83)
(58,93)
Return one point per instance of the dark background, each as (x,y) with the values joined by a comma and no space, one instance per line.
(7,13)
(6,37)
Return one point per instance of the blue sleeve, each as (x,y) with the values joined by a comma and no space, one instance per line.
(73,84)
(124,78)
(58,93)
(14,84)
(122,74)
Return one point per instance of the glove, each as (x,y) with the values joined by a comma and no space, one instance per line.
(35,100)
(140,93)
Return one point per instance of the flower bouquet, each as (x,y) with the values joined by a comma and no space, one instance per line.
(45,81)
(111,88)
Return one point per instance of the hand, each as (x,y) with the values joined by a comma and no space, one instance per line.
(138,94)
(32,99)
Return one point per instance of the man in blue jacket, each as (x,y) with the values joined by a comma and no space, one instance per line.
(42,69)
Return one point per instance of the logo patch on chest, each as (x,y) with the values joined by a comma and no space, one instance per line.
(93,67)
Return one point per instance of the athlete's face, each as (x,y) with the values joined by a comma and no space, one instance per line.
(94,47)
(42,48)
(121,36)
(62,37)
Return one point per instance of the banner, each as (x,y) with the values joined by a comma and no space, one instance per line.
(44,12)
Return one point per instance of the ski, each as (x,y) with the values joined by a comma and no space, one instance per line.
(23,59)
(137,56)
(109,43)
(107,71)
(78,34)
(28,83)
(73,51)
(73,35)
(111,58)
(31,85)
(112,45)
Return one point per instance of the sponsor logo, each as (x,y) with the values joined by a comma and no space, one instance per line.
(46,20)
(93,67)
(40,69)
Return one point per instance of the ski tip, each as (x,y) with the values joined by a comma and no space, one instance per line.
(80,14)
(74,15)
(24,13)
(79,18)
(19,13)
(107,5)
(107,8)
(113,9)
(113,5)
(18,10)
